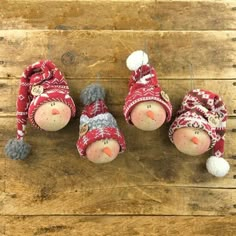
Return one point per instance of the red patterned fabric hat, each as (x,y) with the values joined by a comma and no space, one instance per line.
(144,86)
(41,82)
(205,110)
(96,123)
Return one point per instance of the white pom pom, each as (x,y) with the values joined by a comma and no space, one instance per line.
(136,59)
(217,166)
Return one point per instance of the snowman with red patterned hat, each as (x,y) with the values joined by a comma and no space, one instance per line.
(43,99)
(100,139)
(199,126)
(147,106)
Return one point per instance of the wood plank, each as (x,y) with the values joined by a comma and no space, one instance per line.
(119,225)
(2,166)
(84,54)
(151,189)
(138,15)
(115,97)
(2,174)
(2,199)
(150,160)
(45,199)
(9,89)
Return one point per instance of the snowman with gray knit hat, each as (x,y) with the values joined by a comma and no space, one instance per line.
(100,139)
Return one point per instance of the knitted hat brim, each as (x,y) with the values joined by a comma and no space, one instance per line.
(150,95)
(99,134)
(197,122)
(53,96)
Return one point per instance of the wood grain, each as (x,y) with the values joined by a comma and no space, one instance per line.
(150,160)
(85,54)
(151,189)
(125,225)
(45,199)
(115,97)
(2,184)
(119,15)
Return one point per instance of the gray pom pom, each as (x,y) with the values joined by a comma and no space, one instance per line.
(17,149)
(92,93)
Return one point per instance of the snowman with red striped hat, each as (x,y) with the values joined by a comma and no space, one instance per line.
(44,100)
(146,106)
(199,126)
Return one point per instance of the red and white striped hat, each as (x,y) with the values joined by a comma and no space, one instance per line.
(144,85)
(40,83)
(205,110)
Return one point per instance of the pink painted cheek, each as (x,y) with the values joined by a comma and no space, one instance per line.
(41,116)
(93,153)
(160,118)
(203,145)
(138,116)
(115,150)
(65,115)
(203,148)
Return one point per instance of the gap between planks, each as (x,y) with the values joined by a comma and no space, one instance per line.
(117,215)
(116,31)
(216,1)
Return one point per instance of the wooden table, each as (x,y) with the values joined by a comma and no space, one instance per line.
(151,189)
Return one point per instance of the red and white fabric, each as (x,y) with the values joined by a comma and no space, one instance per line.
(197,109)
(144,86)
(100,125)
(55,88)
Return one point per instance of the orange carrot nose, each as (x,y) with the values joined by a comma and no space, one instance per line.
(107,151)
(150,114)
(195,140)
(55,111)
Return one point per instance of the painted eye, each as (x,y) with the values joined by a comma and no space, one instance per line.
(149,106)
(105,141)
(52,104)
(196,132)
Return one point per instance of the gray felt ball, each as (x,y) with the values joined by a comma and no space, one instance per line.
(17,149)
(92,93)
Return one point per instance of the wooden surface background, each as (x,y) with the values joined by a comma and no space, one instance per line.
(151,189)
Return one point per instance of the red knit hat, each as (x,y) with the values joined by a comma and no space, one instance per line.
(96,123)
(205,110)
(144,85)
(40,83)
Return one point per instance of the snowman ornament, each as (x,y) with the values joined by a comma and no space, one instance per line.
(147,106)
(43,99)
(199,126)
(100,139)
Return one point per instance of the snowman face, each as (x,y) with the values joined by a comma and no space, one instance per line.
(191,141)
(103,151)
(52,116)
(148,115)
